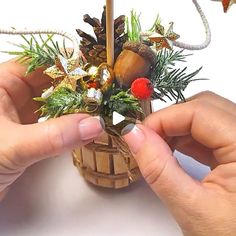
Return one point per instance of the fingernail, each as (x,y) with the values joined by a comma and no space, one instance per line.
(134,137)
(90,128)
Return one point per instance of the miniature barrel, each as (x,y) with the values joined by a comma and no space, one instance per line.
(107,162)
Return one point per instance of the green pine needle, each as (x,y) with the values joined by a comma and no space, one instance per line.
(170,82)
(62,101)
(37,53)
(122,102)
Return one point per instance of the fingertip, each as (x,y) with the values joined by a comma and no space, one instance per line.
(134,137)
(90,127)
(55,136)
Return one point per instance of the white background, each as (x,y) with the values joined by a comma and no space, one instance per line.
(51,198)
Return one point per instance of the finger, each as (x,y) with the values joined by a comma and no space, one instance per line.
(216,100)
(21,89)
(7,108)
(40,141)
(159,168)
(3,194)
(34,79)
(208,125)
(188,146)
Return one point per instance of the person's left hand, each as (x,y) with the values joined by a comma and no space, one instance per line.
(23,143)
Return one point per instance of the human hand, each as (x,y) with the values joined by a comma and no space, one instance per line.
(23,143)
(205,128)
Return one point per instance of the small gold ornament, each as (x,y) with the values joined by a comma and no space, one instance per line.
(163,39)
(106,76)
(100,77)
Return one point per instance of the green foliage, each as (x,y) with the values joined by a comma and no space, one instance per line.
(37,53)
(62,101)
(122,102)
(167,59)
(133,27)
(168,81)
(157,21)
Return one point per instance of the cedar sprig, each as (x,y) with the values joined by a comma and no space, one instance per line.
(37,53)
(168,81)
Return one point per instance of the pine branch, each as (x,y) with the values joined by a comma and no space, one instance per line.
(173,84)
(166,59)
(62,101)
(37,54)
(168,81)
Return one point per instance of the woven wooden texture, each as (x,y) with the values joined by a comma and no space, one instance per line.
(107,162)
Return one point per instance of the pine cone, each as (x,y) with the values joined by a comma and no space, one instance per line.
(94,48)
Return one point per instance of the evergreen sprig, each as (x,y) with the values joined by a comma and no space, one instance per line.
(61,102)
(166,59)
(168,81)
(122,102)
(37,53)
(172,84)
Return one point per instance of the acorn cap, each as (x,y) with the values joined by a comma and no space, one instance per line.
(141,49)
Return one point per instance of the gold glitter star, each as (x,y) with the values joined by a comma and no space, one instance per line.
(66,71)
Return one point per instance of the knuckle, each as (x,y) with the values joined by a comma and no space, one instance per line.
(199,105)
(206,94)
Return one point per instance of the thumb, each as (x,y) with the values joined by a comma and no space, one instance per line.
(39,141)
(158,166)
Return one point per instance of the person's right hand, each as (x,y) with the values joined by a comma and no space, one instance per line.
(205,128)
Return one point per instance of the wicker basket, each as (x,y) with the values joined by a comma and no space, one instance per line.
(107,162)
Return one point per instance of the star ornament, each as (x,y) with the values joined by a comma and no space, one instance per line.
(66,71)
(162,38)
(226,4)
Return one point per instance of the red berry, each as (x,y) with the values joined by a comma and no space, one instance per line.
(142,88)
(92,85)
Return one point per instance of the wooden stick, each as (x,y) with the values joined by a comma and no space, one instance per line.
(110,32)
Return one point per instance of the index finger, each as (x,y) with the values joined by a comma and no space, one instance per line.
(209,125)
(20,88)
(34,79)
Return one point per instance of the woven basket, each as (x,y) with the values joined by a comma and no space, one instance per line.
(107,162)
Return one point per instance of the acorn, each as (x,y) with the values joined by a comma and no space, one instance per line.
(133,62)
